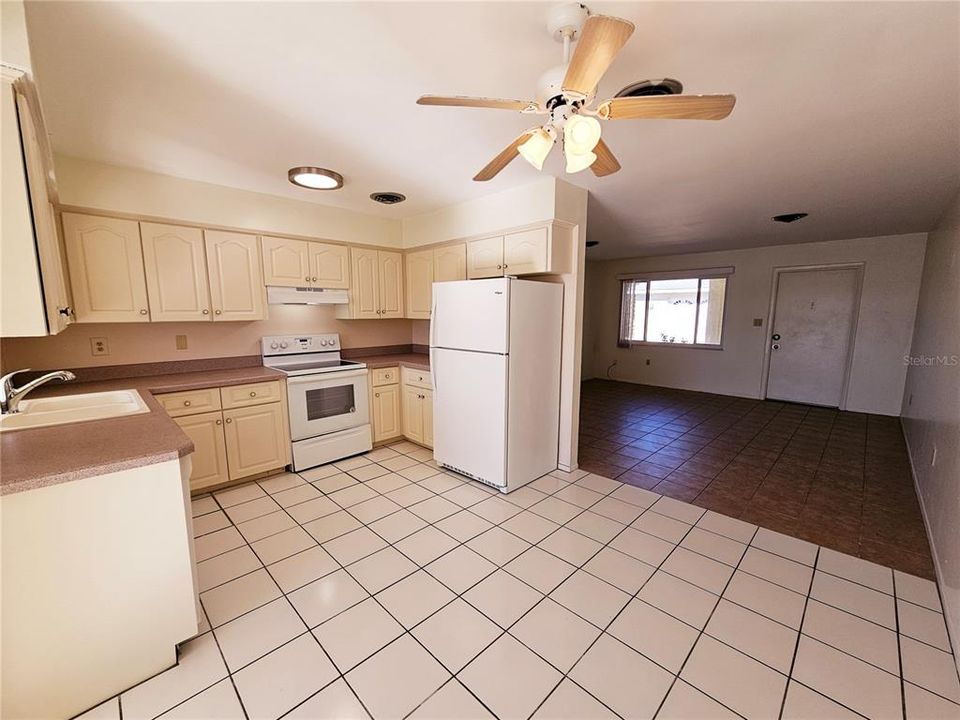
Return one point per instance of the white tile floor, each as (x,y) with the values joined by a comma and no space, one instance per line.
(381,587)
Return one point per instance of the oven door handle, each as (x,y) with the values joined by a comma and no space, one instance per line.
(325,378)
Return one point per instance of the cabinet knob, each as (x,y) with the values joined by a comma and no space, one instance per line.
(186,403)
(253,393)
(143,312)
(387,375)
(376,394)
(219,422)
(229,420)
(313,279)
(216,312)
(206,312)
(499,267)
(307,278)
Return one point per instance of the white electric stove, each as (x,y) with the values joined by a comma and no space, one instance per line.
(327,397)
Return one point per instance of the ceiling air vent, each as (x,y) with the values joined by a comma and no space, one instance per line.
(388,198)
(666,86)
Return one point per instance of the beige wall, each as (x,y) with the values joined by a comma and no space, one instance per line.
(891,283)
(154,342)
(126,190)
(14,47)
(931,406)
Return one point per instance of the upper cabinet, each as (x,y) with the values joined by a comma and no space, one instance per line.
(236,284)
(419,283)
(34,295)
(425,267)
(536,251)
(176,272)
(329,265)
(301,263)
(450,263)
(106,269)
(285,262)
(376,285)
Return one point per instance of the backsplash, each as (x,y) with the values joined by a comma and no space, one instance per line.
(131,343)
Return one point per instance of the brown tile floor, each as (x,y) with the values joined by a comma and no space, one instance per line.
(838,479)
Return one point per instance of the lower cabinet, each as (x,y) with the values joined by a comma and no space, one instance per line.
(237,431)
(401,405)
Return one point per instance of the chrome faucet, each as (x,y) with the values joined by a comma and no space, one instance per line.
(11,396)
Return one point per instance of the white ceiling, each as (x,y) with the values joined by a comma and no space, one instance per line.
(849,111)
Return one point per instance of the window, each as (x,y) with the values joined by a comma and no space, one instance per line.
(667,308)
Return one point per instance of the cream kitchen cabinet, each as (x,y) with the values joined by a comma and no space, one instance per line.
(419,283)
(376,289)
(237,431)
(417,389)
(385,403)
(34,295)
(236,284)
(106,269)
(209,466)
(175,267)
(534,251)
(302,263)
(256,441)
(425,267)
(450,263)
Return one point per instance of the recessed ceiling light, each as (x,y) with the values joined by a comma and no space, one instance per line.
(789,217)
(315,178)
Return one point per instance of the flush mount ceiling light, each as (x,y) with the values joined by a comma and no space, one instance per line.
(315,178)
(788,217)
(566,94)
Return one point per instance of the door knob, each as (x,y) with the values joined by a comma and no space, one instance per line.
(776,346)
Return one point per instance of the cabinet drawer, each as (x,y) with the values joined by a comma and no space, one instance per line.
(385,376)
(417,378)
(236,396)
(190,402)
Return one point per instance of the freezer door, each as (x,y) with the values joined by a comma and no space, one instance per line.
(471,315)
(470,413)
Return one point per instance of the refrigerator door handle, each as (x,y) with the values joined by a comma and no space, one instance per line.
(433,331)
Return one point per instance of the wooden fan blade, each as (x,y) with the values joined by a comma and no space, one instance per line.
(503,159)
(668,107)
(478,102)
(600,40)
(606,163)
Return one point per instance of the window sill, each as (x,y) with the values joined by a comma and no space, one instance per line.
(694,346)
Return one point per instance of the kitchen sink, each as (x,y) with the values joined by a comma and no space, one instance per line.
(41,412)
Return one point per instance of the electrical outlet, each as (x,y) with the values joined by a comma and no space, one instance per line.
(181,342)
(99,346)
(758,322)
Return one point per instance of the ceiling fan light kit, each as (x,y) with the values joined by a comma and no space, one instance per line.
(567,91)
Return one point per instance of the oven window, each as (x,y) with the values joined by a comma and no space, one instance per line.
(330,402)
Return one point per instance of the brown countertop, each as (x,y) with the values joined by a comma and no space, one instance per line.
(38,457)
(417,361)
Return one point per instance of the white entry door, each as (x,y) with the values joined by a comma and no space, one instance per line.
(810,335)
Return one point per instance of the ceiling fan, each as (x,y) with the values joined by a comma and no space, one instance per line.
(567,91)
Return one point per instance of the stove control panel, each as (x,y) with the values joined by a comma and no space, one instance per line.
(298,344)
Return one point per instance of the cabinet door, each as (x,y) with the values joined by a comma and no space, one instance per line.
(236,285)
(386,412)
(391,284)
(285,262)
(450,263)
(105,262)
(419,283)
(365,293)
(427,402)
(209,449)
(525,252)
(412,413)
(329,265)
(176,272)
(485,258)
(53,272)
(255,439)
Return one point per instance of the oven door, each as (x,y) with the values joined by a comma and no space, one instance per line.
(327,402)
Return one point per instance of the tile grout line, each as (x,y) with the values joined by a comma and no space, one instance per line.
(800,633)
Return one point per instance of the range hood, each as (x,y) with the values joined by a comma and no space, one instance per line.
(305,296)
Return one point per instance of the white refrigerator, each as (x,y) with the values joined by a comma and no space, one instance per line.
(495,361)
